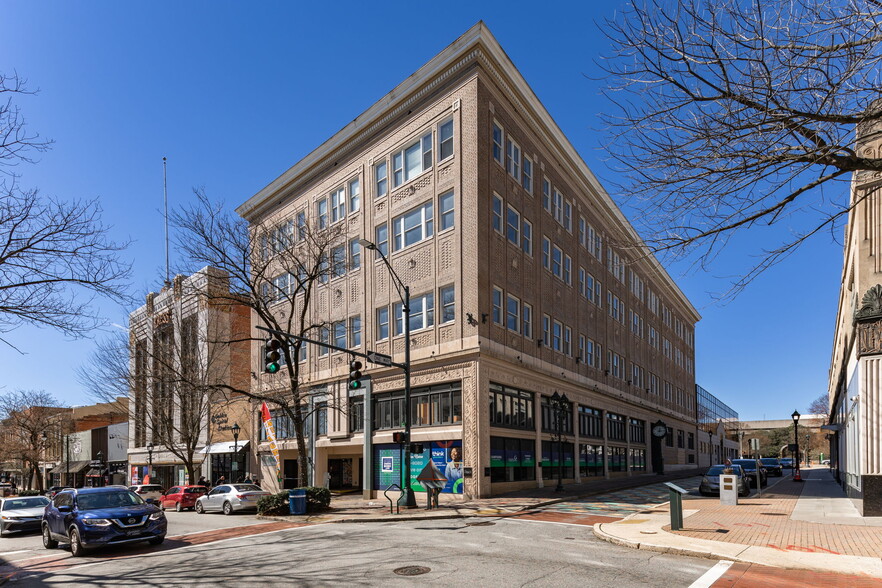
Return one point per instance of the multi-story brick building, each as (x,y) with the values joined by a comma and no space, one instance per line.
(184,341)
(856,364)
(525,280)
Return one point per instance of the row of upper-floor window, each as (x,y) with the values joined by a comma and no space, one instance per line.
(507,153)
(413,158)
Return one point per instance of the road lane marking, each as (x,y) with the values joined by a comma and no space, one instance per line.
(712,575)
(11,552)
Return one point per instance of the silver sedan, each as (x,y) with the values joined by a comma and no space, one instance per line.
(230,498)
(21,514)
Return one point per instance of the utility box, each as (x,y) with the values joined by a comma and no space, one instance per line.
(729,490)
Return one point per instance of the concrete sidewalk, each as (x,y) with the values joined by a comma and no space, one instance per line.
(352,508)
(810,525)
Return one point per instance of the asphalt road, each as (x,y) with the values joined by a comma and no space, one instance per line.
(22,546)
(458,552)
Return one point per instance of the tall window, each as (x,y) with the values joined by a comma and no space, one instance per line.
(354,195)
(527,318)
(615,426)
(338,261)
(497,213)
(382,323)
(412,160)
(512,313)
(497,306)
(382,239)
(355,331)
(339,330)
(510,407)
(321,210)
(497,143)
(413,227)
(546,194)
(513,159)
(527,179)
(513,225)
(445,210)
(338,205)
(527,237)
(380,178)
(445,140)
(447,295)
(590,422)
(354,254)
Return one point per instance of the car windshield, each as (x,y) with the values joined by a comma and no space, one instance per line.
(770,461)
(35,502)
(108,500)
(196,490)
(746,464)
(246,487)
(718,469)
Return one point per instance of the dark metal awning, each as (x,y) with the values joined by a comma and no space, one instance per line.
(74,467)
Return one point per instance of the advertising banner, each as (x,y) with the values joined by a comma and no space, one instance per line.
(271,437)
(447,456)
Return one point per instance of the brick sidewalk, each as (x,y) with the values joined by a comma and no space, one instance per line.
(766,522)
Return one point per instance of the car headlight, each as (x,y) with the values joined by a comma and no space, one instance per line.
(96,522)
(157,516)
(7,518)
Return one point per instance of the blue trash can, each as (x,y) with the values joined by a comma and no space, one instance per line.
(297,501)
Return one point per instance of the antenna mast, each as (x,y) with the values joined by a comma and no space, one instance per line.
(165,198)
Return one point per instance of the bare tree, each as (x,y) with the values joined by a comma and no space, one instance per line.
(55,256)
(30,421)
(275,271)
(183,376)
(820,405)
(742,115)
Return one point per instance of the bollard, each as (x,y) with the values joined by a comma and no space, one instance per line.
(676,495)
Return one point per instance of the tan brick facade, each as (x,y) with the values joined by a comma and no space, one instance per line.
(474,85)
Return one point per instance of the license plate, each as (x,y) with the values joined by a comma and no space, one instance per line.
(133,533)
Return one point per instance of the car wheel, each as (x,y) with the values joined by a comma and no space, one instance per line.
(228,508)
(2,530)
(178,507)
(48,541)
(76,545)
(157,540)
(199,508)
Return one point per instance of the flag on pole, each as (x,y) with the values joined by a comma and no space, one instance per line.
(271,437)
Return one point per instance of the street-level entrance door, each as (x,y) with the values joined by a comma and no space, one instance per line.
(341,473)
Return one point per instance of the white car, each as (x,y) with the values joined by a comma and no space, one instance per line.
(147,491)
(230,498)
(21,514)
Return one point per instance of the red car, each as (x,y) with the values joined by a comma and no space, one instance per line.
(181,497)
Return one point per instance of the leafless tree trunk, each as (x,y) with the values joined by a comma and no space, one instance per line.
(55,256)
(742,115)
(275,271)
(30,421)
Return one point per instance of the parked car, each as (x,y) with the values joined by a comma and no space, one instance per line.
(5,489)
(825,462)
(710,483)
(786,462)
(181,497)
(750,467)
(51,492)
(91,517)
(773,466)
(147,491)
(21,514)
(230,498)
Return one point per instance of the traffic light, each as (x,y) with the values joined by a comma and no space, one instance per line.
(272,356)
(399,437)
(355,382)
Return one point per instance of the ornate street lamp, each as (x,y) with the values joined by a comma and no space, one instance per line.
(408,498)
(235,467)
(560,403)
(796,475)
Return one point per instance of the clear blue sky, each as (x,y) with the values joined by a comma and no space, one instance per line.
(234,93)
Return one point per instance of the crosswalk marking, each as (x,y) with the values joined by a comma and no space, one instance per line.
(712,575)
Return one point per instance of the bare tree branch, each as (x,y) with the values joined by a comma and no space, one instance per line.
(741,115)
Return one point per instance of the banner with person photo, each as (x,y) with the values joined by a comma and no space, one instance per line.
(447,456)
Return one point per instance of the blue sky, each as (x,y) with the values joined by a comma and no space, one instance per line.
(234,93)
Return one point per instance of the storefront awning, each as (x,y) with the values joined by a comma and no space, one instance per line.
(224,447)
(94,473)
(74,467)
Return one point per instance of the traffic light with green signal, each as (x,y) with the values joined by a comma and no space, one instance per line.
(355,382)
(272,356)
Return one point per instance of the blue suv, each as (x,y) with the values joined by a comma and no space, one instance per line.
(90,517)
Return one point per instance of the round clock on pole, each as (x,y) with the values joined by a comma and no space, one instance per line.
(659,429)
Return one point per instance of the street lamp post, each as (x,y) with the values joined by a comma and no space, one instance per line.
(43,438)
(100,457)
(235,466)
(807,447)
(741,443)
(560,403)
(149,461)
(796,475)
(404,293)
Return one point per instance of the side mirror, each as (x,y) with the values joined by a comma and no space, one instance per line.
(64,508)
(150,501)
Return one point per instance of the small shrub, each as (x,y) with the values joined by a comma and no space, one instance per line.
(317,500)
(274,504)
(30,493)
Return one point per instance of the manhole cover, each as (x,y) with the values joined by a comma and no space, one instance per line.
(412,570)
(480,524)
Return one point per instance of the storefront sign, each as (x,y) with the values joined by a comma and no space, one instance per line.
(388,464)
